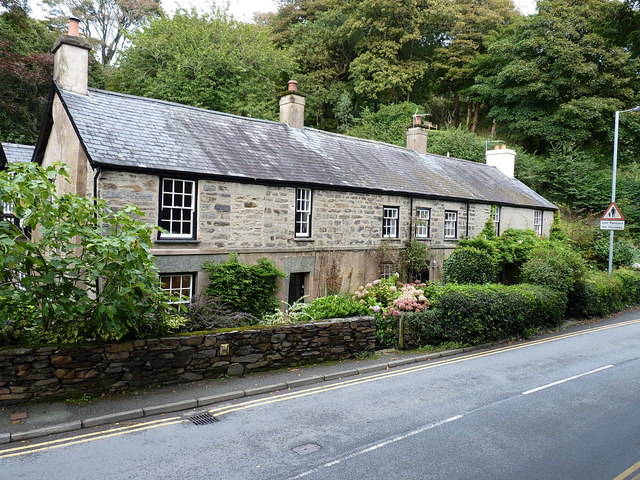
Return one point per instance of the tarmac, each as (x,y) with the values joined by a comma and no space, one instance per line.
(32,420)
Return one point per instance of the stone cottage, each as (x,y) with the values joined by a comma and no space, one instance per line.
(328,209)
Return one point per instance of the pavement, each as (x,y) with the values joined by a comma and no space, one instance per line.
(33,420)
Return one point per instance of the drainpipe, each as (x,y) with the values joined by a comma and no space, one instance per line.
(467,226)
(95,202)
(411,220)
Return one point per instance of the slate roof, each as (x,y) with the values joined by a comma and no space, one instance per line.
(141,133)
(13,152)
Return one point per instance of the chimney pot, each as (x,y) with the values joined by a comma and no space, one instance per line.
(292,106)
(417,120)
(74,27)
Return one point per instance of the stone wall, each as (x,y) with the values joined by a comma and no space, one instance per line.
(33,373)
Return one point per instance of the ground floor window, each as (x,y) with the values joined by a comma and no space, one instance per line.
(537,221)
(179,285)
(388,269)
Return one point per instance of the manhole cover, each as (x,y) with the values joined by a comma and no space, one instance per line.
(202,419)
(307,448)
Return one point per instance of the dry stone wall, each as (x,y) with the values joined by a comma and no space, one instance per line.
(33,373)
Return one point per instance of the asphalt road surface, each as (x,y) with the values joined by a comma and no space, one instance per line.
(566,407)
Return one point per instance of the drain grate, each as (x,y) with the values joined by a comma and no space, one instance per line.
(306,449)
(202,419)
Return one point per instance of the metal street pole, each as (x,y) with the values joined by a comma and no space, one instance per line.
(613,177)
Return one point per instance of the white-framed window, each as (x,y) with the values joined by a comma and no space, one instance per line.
(390,222)
(388,269)
(303,212)
(537,221)
(450,224)
(496,219)
(423,222)
(180,285)
(177,208)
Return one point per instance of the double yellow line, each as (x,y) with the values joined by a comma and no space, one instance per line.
(223,410)
(630,471)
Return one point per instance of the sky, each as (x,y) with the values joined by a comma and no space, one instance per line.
(244,9)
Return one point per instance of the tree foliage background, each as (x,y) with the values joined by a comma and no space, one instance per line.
(547,83)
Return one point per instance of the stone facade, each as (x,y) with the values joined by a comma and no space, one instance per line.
(33,373)
(258,221)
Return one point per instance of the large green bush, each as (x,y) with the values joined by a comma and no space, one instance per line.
(335,306)
(599,294)
(473,314)
(87,271)
(623,251)
(470,265)
(554,265)
(242,287)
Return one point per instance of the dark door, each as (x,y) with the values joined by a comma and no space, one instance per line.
(296,286)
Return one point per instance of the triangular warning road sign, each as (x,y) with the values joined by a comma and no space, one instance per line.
(613,213)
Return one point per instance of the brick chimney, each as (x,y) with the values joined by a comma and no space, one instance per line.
(503,158)
(292,106)
(71,60)
(418,134)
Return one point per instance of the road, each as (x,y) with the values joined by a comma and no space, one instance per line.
(554,408)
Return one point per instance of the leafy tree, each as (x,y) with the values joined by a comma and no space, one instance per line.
(389,124)
(86,272)
(555,78)
(107,22)
(458,143)
(467,25)
(26,67)
(209,61)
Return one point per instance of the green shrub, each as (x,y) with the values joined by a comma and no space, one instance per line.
(623,252)
(335,306)
(554,265)
(595,295)
(599,294)
(630,286)
(472,314)
(209,313)
(469,265)
(515,246)
(242,287)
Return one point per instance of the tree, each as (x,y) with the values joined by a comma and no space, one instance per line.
(107,22)
(555,78)
(466,26)
(85,272)
(209,61)
(26,67)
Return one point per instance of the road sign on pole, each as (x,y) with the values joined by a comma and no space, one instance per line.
(612,218)
(613,213)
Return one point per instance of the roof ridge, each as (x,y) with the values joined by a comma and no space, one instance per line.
(18,145)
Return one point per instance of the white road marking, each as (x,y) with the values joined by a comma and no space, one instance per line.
(376,447)
(533,390)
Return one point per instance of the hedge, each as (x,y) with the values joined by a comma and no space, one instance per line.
(472,314)
(599,294)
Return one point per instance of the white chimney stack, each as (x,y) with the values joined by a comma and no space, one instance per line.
(71,60)
(292,106)
(503,158)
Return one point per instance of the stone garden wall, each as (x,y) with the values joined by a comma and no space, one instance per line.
(33,373)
